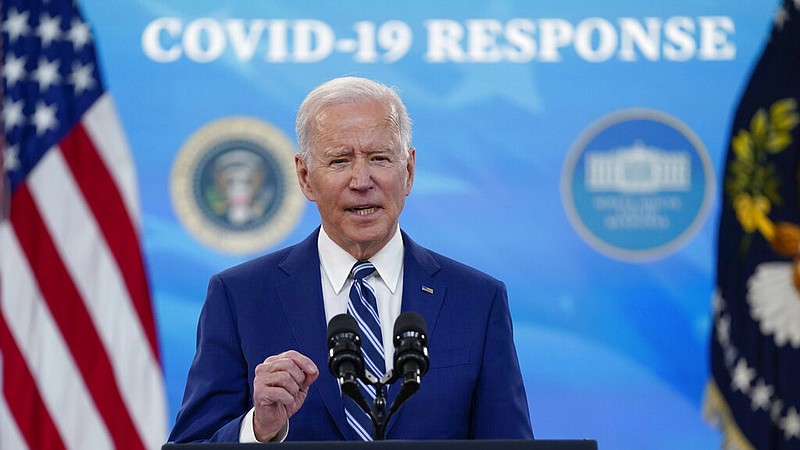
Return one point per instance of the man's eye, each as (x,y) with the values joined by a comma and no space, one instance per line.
(339,161)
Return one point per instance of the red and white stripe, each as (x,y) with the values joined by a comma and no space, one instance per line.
(80,363)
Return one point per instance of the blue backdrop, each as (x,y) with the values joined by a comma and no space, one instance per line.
(572,149)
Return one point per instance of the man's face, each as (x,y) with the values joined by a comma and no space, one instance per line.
(358,175)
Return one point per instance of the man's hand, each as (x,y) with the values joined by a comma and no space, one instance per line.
(279,390)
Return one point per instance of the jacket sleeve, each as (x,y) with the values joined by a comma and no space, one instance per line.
(217,394)
(500,410)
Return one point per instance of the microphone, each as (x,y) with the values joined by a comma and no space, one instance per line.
(411,353)
(344,345)
(344,358)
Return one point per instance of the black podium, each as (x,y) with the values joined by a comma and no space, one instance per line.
(404,445)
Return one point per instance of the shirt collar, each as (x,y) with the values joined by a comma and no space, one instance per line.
(337,263)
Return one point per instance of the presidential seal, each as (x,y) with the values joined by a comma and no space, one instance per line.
(233,185)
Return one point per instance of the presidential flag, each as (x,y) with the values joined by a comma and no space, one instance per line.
(79,360)
(754,394)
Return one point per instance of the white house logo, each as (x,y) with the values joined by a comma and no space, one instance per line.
(637,185)
(233,185)
(638,169)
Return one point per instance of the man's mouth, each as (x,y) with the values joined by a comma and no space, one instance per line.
(363,210)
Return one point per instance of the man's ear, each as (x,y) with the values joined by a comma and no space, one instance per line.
(302,177)
(410,165)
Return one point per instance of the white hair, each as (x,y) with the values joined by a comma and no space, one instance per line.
(350,90)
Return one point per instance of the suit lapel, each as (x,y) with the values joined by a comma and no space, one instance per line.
(300,296)
(422,293)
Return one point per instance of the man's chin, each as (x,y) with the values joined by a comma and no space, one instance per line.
(368,240)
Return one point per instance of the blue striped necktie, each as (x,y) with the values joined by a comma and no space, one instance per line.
(363,307)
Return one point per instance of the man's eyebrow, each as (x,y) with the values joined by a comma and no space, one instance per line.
(334,152)
(379,150)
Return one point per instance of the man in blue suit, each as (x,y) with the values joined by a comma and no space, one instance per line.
(261,337)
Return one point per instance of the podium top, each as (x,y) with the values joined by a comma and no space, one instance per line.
(584,444)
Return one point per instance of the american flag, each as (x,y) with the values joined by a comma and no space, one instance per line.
(79,360)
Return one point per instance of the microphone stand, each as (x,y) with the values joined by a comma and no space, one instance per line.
(378,414)
(346,365)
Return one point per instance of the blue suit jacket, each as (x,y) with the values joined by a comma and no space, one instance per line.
(473,389)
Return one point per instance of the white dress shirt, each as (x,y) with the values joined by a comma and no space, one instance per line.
(386,281)
(335,266)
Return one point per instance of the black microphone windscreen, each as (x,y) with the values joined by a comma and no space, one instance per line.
(342,323)
(410,321)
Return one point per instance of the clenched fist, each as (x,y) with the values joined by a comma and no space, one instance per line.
(279,389)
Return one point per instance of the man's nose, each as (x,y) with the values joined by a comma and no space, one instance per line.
(361,175)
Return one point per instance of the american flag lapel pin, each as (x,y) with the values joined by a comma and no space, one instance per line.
(427,289)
